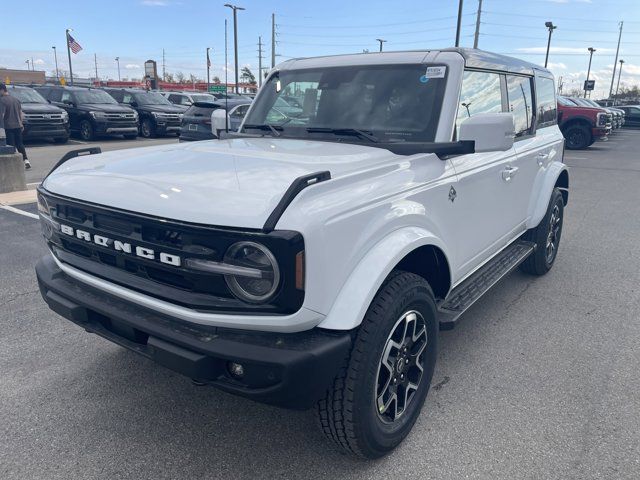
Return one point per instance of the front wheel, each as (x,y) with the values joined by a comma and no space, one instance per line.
(578,137)
(378,395)
(86,131)
(546,236)
(147,129)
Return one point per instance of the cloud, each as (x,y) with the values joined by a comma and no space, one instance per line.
(155,3)
(563,50)
(557,66)
(132,66)
(38,61)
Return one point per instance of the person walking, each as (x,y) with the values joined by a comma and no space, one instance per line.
(13,122)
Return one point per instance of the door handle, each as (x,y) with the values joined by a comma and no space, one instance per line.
(542,157)
(508,173)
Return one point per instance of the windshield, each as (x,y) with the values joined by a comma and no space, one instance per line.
(26,95)
(389,103)
(151,98)
(203,97)
(566,102)
(93,96)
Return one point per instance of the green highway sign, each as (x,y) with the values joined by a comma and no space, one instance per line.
(217,88)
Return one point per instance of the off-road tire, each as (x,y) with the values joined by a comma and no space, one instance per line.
(539,262)
(577,137)
(348,413)
(86,131)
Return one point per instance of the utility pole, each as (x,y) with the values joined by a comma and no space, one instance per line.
(118,62)
(259,62)
(27,62)
(235,38)
(55,56)
(164,73)
(591,50)
(477,34)
(459,27)
(381,42)
(615,62)
(551,28)
(95,61)
(208,67)
(619,75)
(273,40)
(69,54)
(226,80)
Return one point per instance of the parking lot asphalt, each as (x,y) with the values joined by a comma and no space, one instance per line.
(540,380)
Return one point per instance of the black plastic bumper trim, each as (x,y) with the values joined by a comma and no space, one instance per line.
(288,370)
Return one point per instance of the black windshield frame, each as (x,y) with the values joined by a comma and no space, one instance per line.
(426,92)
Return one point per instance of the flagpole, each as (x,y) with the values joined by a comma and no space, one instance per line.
(69,54)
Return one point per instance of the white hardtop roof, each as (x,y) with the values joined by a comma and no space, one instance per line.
(473,58)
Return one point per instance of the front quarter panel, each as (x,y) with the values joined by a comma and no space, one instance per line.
(359,226)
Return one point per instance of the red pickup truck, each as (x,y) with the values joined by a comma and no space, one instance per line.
(581,126)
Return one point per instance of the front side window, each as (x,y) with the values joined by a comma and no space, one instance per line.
(520,103)
(480,93)
(546,96)
(390,103)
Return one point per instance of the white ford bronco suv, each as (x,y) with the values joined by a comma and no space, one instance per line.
(309,259)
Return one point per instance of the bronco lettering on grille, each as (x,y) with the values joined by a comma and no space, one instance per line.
(124,247)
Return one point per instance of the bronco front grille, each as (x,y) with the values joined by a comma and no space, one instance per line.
(177,284)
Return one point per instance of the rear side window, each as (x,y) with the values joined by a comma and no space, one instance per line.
(520,103)
(546,102)
(480,93)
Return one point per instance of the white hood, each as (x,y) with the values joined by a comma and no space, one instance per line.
(235,182)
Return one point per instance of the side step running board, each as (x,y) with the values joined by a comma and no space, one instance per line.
(466,294)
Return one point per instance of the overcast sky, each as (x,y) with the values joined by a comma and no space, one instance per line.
(137,30)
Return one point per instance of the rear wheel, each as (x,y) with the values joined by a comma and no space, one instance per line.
(378,395)
(578,137)
(546,236)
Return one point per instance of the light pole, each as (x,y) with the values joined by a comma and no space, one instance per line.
(235,37)
(55,56)
(27,62)
(551,28)
(619,75)
(69,55)
(208,67)
(381,42)
(591,50)
(118,62)
(459,26)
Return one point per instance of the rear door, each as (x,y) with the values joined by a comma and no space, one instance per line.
(535,147)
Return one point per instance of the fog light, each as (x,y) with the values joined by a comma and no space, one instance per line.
(235,369)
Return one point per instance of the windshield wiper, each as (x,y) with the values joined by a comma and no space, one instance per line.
(273,128)
(345,131)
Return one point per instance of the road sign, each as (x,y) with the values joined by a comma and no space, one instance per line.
(589,84)
(217,88)
(63,81)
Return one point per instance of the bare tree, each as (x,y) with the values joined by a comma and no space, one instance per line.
(180,77)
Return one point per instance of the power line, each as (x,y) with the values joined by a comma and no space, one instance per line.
(430,20)
(368,35)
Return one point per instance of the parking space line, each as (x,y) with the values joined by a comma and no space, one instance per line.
(9,208)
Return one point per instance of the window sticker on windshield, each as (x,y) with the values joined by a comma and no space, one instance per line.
(435,72)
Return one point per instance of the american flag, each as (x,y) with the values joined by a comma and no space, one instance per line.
(73,45)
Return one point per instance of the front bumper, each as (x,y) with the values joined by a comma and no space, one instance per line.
(291,370)
(113,128)
(33,131)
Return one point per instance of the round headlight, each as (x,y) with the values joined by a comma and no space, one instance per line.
(261,276)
